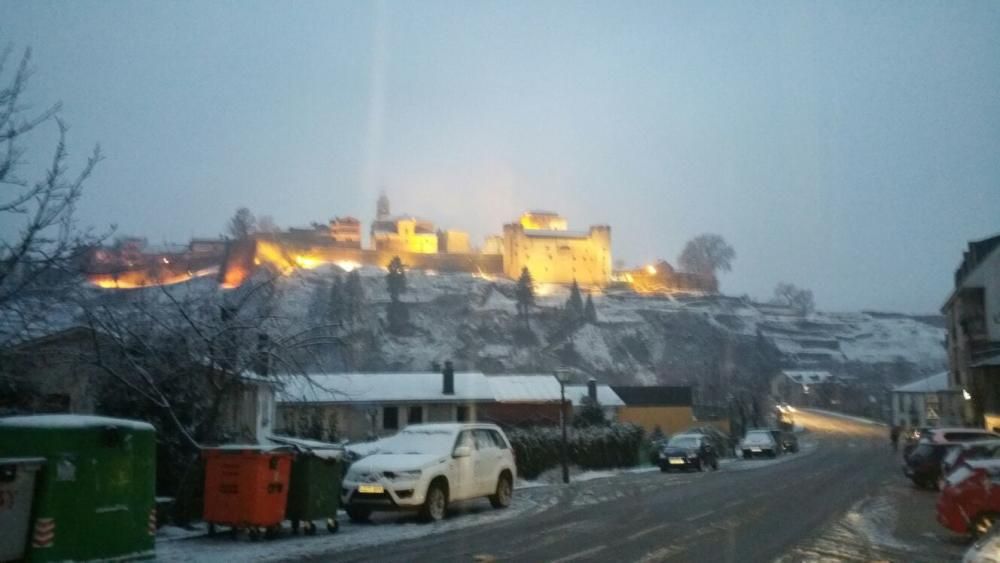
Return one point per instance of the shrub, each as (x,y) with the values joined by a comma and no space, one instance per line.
(593,447)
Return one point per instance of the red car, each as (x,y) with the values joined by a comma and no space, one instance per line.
(969,503)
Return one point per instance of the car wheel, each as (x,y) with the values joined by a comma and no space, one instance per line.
(664,469)
(358,514)
(504,492)
(984,524)
(435,503)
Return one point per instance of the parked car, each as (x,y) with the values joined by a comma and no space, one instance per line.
(984,550)
(923,464)
(967,451)
(719,440)
(761,441)
(688,451)
(969,502)
(428,466)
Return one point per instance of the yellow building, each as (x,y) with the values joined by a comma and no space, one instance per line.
(554,254)
(404,234)
(453,242)
(651,407)
(543,221)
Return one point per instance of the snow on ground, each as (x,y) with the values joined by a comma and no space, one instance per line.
(384,528)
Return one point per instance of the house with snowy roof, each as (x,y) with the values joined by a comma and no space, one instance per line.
(534,399)
(931,401)
(355,406)
(801,387)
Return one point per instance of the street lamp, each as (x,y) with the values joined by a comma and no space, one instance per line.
(562,377)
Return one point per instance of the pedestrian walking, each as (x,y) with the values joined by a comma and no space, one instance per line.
(894,436)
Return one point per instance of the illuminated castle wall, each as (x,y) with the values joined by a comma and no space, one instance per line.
(554,254)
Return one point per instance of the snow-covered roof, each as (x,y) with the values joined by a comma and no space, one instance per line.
(933,384)
(541,388)
(425,387)
(71,421)
(806,377)
(606,396)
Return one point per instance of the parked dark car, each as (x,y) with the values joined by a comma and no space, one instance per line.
(719,440)
(688,451)
(923,464)
(762,442)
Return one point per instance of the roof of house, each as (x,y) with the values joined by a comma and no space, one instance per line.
(544,388)
(658,395)
(425,387)
(933,384)
(606,396)
(806,377)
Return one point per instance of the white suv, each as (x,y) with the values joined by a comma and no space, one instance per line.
(427,466)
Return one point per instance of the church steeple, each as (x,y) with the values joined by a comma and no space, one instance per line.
(382,207)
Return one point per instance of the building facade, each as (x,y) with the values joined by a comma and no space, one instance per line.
(346,231)
(557,255)
(972,313)
(404,234)
(666,408)
(928,402)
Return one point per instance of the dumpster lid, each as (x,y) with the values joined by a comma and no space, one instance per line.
(324,450)
(22,461)
(249,447)
(71,421)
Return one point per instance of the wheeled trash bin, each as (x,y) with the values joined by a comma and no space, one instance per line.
(246,488)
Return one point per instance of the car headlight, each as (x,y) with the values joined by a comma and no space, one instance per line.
(402,475)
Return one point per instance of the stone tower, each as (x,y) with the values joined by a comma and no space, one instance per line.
(382,207)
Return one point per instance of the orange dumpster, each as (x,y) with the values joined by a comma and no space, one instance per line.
(246,487)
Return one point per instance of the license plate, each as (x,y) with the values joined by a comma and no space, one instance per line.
(755,450)
(676,461)
(371,489)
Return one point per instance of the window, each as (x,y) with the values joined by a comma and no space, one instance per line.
(485,440)
(415,415)
(390,418)
(461,413)
(501,443)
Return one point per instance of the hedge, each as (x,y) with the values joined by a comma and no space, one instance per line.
(593,447)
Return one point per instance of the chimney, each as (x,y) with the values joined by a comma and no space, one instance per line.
(592,390)
(448,379)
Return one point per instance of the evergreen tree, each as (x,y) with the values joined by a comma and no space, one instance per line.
(525,294)
(589,312)
(335,301)
(574,305)
(353,296)
(396,313)
(396,279)
(591,414)
(319,302)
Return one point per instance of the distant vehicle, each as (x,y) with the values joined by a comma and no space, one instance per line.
(969,502)
(688,451)
(761,441)
(719,440)
(968,451)
(428,466)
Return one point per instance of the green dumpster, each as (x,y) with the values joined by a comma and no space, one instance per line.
(94,497)
(314,485)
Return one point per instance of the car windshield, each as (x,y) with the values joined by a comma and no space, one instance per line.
(759,438)
(418,441)
(686,442)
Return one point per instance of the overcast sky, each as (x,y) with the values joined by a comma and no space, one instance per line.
(848,147)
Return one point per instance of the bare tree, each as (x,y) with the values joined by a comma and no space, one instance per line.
(242,224)
(707,254)
(39,240)
(800,299)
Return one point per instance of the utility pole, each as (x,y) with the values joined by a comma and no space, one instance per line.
(564,447)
